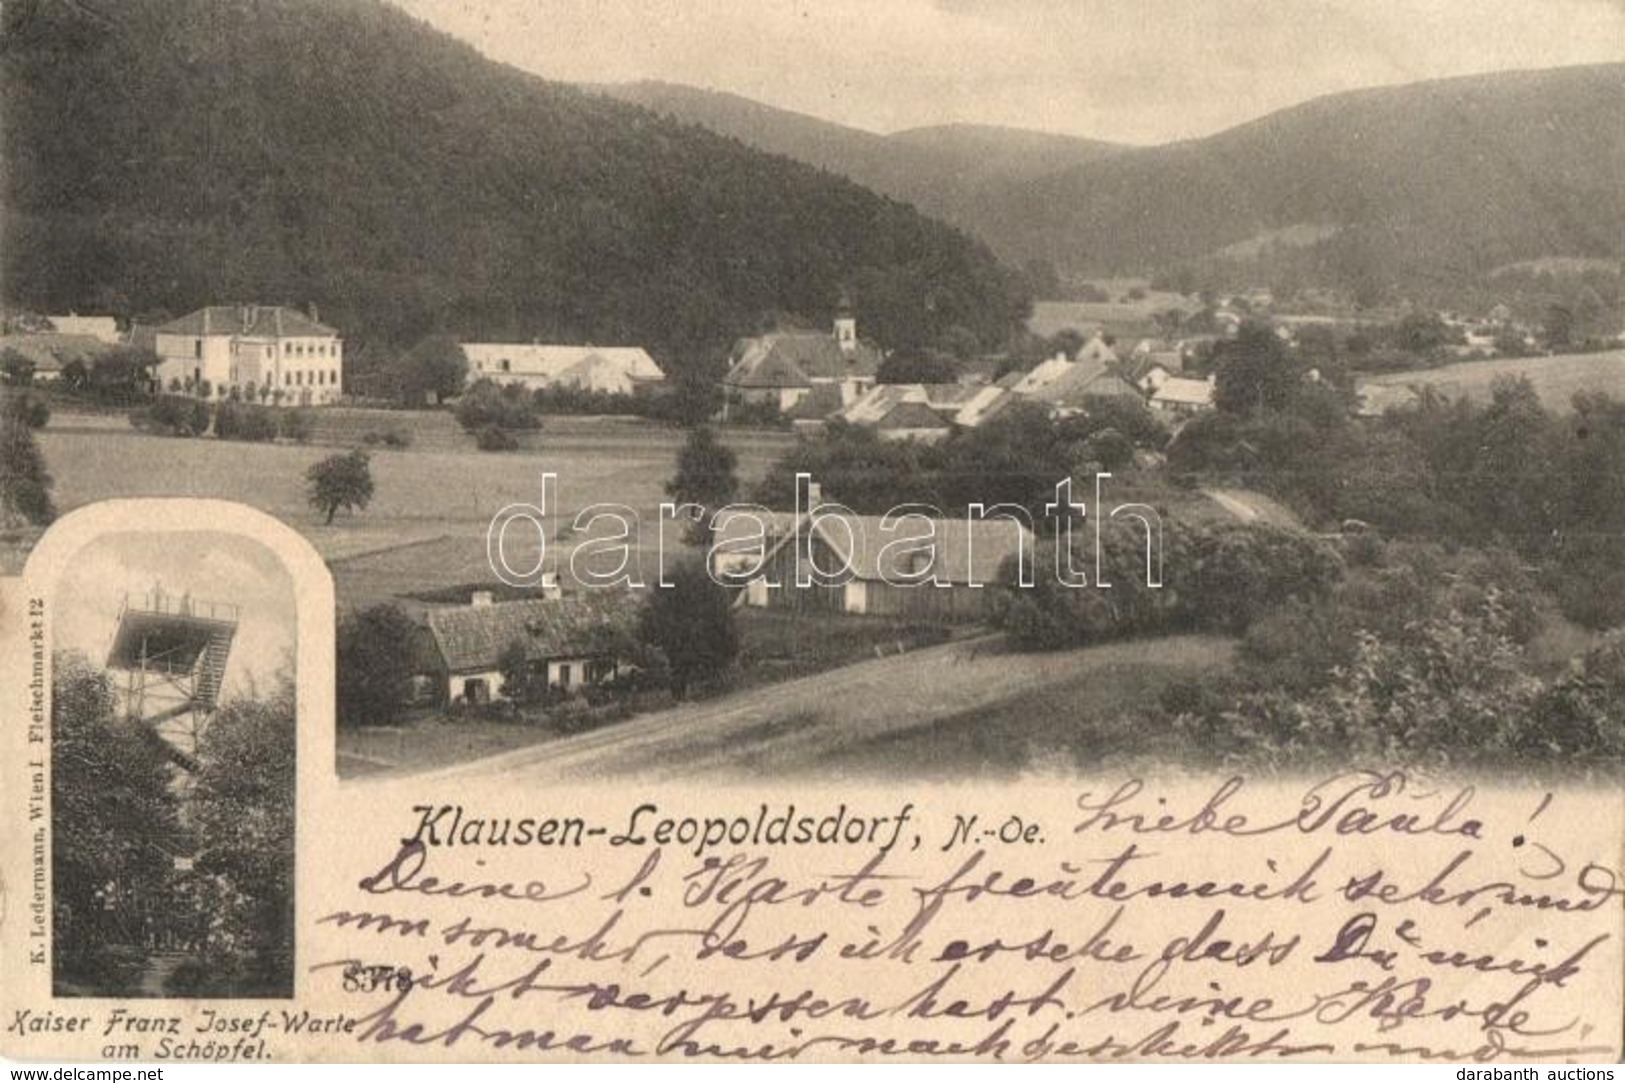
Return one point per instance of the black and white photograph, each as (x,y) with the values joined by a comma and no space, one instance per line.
(173,769)
(834,531)
(926,389)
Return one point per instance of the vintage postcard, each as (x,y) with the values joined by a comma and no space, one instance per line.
(909,532)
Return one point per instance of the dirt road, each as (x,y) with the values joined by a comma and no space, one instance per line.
(1251,507)
(956,709)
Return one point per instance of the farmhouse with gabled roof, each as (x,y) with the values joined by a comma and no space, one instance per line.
(1183,395)
(783,367)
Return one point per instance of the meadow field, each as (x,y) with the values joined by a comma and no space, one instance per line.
(1118,316)
(964,709)
(1555,380)
(426,526)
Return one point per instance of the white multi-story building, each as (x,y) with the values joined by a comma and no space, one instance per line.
(268,353)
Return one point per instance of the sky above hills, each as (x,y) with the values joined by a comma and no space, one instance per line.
(1133,71)
(204,565)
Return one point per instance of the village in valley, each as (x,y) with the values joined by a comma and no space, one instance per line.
(481,666)
(1329,491)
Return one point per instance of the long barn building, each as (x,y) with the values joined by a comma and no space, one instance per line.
(868,569)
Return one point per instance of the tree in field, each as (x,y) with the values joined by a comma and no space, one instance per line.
(375,652)
(25,484)
(112,817)
(1559,326)
(340,481)
(705,476)
(691,623)
(434,370)
(694,398)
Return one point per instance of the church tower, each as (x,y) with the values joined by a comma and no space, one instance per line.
(846,326)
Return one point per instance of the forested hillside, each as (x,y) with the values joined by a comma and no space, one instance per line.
(1411,186)
(945,170)
(161,154)
(1412,190)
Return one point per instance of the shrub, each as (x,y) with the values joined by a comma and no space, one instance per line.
(1243,571)
(495,438)
(30,409)
(295,424)
(1363,550)
(1579,713)
(691,625)
(757,413)
(375,652)
(570,399)
(173,415)
(25,483)
(1219,578)
(237,421)
(15,369)
(1050,615)
(122,376)
(1110,448)
(1453,690)
(521,683)
(392,438)
(485,404)
(1588,581)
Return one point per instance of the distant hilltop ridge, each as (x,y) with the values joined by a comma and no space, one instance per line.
(1398,185)
(163,154)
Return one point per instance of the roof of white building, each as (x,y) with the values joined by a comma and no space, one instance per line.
(584,365)
(102,328)
(797,359)
(1184,391)
(261,321)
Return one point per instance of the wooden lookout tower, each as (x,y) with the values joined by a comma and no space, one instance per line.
(172,651)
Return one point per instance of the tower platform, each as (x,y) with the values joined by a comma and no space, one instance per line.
(173,651)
